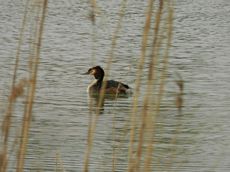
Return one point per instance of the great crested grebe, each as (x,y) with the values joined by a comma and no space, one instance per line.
(111,87)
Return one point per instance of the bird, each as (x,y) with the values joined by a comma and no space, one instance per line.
(111,87)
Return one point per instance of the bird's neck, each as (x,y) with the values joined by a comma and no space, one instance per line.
(99,82)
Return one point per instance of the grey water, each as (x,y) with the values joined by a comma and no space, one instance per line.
(200,54)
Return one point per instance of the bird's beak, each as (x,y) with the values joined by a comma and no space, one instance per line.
(86,73)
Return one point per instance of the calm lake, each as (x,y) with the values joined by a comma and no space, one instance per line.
(200,54)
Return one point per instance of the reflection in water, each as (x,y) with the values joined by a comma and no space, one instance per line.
(96,104)
(179,96)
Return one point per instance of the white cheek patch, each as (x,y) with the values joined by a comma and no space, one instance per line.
(92,72)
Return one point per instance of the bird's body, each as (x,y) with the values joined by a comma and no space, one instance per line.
(110,86)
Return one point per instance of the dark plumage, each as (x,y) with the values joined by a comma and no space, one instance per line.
(111,87)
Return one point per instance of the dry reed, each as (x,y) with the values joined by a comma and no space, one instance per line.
(151,104)
(150,109)
(29,84)
(140,156)
(93,122)
(138,82)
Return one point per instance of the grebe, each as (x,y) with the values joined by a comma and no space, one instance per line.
(112,87)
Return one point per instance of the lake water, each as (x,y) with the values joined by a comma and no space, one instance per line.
(200,54)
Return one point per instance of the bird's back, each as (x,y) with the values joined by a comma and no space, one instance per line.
(116,87)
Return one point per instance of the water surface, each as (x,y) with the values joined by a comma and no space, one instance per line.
(61,112)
